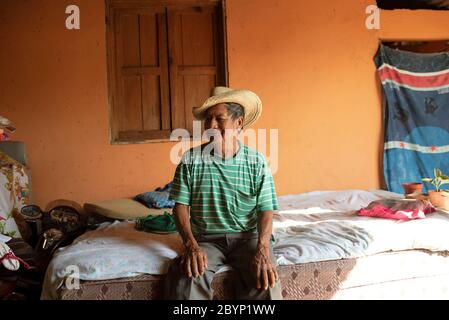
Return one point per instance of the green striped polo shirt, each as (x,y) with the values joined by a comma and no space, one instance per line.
(224,195)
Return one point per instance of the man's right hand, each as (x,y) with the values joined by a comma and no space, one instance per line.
(194,261)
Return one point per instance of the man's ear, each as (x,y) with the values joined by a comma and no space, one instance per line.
(240,122)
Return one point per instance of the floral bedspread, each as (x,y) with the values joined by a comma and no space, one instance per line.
(14,193)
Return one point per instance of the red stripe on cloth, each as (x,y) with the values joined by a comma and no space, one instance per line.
(388,73)
(11,255)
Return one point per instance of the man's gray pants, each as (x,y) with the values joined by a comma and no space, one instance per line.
(236,250)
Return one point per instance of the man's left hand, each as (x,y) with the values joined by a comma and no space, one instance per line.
(265,271)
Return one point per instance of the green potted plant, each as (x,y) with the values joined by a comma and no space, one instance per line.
(438,197)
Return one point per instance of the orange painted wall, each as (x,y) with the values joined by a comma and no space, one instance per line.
(310,62)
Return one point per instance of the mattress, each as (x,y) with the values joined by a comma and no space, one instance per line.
(413,274)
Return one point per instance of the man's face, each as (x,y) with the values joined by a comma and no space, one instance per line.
(217,118)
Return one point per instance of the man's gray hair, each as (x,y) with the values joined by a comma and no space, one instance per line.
(235,110)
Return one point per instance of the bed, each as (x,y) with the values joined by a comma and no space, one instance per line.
(323,248)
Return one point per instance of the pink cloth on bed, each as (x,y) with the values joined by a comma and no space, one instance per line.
(397,209)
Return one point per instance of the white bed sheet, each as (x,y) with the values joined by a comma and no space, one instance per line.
(322,226)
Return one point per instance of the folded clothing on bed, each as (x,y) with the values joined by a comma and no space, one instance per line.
(399,209)
(159,223)
(157,198)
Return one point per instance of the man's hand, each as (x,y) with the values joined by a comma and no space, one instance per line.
(194,261)
(265,272)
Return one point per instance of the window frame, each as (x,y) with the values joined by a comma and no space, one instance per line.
(111,56)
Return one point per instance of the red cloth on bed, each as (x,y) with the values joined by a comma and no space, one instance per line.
(399,209)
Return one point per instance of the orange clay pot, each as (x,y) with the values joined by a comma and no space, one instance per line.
(439,200)
(412,187)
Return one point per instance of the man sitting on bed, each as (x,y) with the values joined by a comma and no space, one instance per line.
(225,197)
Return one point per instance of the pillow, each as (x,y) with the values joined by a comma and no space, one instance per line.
(122,209)
(399,209)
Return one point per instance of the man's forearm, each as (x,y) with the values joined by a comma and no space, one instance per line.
(265,227)
(182,220)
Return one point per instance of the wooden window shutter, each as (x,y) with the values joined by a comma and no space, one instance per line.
(141,108)
(196,58)
(164,57)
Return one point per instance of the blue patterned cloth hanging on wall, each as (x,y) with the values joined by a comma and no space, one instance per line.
(416,114)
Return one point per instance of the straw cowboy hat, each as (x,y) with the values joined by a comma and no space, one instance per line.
(250,102)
